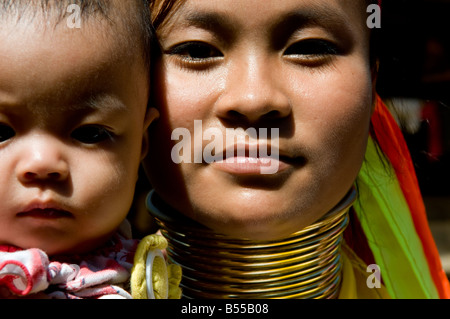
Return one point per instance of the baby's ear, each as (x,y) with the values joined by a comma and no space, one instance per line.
(150,115)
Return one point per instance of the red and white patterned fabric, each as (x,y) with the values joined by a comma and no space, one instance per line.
(103,274)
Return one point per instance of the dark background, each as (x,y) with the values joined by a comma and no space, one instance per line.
(415,63)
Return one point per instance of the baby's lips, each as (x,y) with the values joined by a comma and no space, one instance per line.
(45,213)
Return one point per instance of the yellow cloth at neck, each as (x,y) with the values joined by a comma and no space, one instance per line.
(138,280)
(354,279)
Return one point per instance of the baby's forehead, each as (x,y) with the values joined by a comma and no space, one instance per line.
(120,15)
(120,20)
(53,10)
(50,64)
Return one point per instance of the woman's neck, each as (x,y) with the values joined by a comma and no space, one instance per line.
(307,264)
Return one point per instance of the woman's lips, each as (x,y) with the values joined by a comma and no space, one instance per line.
(241,165)
(252,159)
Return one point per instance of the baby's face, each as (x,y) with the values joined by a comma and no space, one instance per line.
(72,125)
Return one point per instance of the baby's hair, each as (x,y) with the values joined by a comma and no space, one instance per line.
(137,23)
(21,7)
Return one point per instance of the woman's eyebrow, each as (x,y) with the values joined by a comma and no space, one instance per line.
(214,22)
(322,17)
(313,16)
(286,23)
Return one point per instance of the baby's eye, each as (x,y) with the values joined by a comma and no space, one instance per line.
(91,134)
(311,48)
(195,51)
(6,132)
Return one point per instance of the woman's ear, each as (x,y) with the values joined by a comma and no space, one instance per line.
(151,115)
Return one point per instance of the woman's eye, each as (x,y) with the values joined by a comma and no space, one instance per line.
(6,132)
(312,48)
(91,134)
(195,51)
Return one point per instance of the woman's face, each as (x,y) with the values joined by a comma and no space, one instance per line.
(297,68)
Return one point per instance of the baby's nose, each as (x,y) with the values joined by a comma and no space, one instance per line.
(43,161)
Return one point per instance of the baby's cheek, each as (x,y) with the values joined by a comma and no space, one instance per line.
(107,181)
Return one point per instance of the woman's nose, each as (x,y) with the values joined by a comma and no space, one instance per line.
(42,160)
(253,93)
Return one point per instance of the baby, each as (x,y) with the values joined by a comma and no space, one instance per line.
(74,88)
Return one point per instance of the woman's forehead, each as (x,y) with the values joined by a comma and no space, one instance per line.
(252,12)
(237,17)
